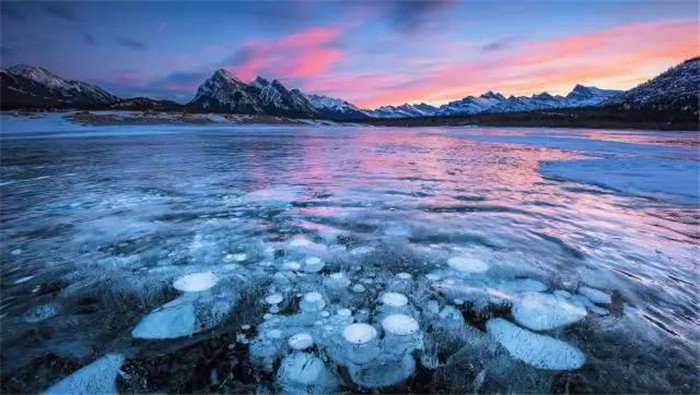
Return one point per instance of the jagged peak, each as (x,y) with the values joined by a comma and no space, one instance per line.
(225,74)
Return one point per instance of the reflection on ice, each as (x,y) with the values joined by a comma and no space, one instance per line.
(317,261)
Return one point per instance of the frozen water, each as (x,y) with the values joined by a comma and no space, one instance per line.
(465,223)
(540,351)
(539,311)
(98,377)
(195,282)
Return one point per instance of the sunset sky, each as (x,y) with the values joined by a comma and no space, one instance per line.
(370,53)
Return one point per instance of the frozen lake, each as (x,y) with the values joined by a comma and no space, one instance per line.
(322,259)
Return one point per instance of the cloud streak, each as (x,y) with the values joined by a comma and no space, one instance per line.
(300,55)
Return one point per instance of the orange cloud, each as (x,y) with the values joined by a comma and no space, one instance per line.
(618,57)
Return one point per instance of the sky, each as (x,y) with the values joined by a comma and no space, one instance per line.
(369,53)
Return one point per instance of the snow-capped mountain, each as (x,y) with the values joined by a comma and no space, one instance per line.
(677,89)
(224,92)
(28,86)
(491,102)
(403,111)
(336,109)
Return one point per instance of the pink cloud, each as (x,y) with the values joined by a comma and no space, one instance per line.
(618,57)
(306,53)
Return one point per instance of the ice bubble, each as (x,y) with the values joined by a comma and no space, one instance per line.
(433,276)
(301,341)
(312,301)
(293,266)
(540,351)
(358,288)
(599,310)
(98,377)
(404,276)
(274,309)
(196,282)
(595,295)
(521,285)
(300,242)
(361,250)
(23,280)
(344,312)
(458,302)
(466,263)
(451,313)
(400,324)
(359,333)
(16,251)
(240,257)
(273,334)
(539,311)
(245,327)
(337,281)
(386,373)
(173,320)
(325,314)
(307,371)
(313,264)
(41,312)
(560,293)
(394,299)
(274,299)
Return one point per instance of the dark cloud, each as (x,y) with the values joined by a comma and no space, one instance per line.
(497,45)
(10,11)
(62,11)
(89,39)
(131,43)
(414,16)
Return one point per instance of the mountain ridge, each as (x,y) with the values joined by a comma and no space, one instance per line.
(26,86)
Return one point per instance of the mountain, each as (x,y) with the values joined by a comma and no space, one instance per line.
(676,91)
(336,109)
(490,102)
(403,111)
(36,87)
(146,104)
(224,92)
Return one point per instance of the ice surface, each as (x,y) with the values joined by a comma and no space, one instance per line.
(662,178)
(99,377)
(540,311)
(196,282)
(384,211)
(540,351)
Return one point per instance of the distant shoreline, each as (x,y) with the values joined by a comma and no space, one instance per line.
(558,119)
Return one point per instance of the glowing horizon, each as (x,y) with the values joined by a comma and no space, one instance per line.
(371,54)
